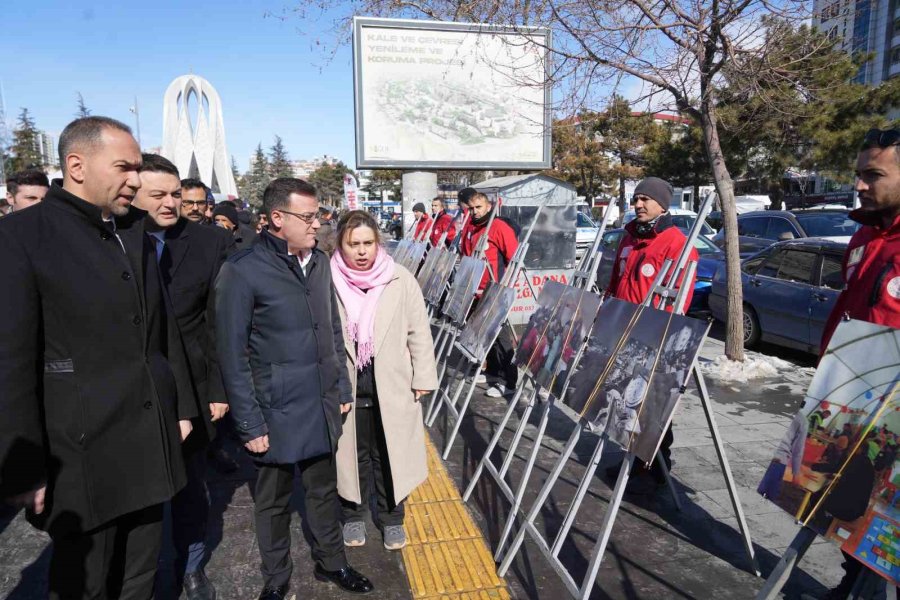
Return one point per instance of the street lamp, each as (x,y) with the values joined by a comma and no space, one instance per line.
(137,119)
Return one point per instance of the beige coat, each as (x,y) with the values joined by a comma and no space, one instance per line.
(404,361)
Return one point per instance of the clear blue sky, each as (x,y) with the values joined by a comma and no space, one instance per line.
(270,79)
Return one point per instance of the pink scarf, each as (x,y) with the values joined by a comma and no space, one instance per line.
(359,305)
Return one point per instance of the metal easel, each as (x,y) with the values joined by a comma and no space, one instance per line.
(665,294)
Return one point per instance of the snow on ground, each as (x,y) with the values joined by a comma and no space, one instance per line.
(755,366)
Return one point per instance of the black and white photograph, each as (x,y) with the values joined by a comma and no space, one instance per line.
(463,289)
(555,333)
(631,393)
(487,318)
(434,289)
(427,269)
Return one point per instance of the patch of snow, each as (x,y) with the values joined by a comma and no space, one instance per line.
(755,366)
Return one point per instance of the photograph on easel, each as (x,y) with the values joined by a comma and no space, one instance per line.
(486,320)
(427,269)
(414,257)
(836,469)
(628,382)
(434,289)
(554,334)
(462,291)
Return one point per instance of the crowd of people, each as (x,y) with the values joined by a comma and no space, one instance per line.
(144,322)
(140,317)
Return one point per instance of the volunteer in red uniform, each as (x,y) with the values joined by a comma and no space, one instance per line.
(871,275)
(649,240)
(501,245)
(423,222)
(443,221)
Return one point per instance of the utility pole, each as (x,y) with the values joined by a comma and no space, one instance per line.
(137,121)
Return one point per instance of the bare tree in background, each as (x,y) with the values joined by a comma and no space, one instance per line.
(676,49)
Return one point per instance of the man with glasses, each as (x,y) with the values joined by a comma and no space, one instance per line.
(871,274)
(649,240)
(281,352)
(194,201)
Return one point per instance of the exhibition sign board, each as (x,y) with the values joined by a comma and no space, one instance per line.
(450,95)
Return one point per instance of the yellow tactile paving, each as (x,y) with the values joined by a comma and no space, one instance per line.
(446,557)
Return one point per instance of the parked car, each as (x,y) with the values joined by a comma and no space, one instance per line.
(682,218)
(789,290)
(761,228)
(710,259)
(584,235)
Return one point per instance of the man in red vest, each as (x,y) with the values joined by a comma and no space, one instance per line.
(443,222)
(423,222)
(871,274)
(501,246)
(649,240)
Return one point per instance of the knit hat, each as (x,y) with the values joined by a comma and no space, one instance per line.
(418,206)
(656,188)
(227,210)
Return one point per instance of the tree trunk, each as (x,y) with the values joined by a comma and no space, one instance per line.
(623,206)
(734,326)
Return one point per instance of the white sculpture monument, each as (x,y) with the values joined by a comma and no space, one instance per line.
(194,133)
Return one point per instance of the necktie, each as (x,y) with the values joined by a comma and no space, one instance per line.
(163,259)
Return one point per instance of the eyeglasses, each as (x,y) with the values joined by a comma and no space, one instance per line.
(883,139)
(193,203)
(307,218)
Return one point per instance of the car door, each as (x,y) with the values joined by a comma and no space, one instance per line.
(609,243)
(822,299)
(780,292)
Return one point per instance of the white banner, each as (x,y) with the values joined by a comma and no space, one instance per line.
(351,194)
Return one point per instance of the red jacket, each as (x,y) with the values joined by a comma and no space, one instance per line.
(443,222)
(422,226)
(872,279)
(501,242)
(638,261)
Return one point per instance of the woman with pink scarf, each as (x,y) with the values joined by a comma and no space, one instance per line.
(390,359)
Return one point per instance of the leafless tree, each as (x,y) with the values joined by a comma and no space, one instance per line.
(677,50)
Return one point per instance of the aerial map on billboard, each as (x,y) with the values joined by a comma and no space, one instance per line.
(450,95)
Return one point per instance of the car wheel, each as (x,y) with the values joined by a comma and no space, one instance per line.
(751,327)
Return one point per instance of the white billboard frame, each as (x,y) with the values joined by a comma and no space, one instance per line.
(363,161)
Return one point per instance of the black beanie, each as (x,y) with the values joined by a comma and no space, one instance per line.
(465,194)
(227,210)
(418,206)
(656,188)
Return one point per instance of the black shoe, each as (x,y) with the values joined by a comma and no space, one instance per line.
(222,461)
(198,587)
(273,593)
(347,579)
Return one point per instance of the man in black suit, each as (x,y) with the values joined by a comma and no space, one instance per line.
(280,344)
(189,259)
(95,404)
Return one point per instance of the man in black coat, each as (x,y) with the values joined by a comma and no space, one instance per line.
(94,404)
(280,345)
(190,256)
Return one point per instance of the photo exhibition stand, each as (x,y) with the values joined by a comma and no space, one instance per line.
(663,294)
(470,366)
(584,279)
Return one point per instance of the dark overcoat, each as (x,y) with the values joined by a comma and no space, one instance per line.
(197,253)
(280,344)
(88,406)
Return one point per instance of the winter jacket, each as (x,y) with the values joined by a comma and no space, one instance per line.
(278,334)
(422,226)
(443,222)
(501,246)
(638,260)
(872,279)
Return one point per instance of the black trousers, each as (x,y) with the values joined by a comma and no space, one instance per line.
(371,452)
(500,359)
(274,485)
(116,560)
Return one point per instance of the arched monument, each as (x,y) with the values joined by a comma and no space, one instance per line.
(194,133)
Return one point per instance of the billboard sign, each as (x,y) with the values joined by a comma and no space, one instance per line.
(450,95)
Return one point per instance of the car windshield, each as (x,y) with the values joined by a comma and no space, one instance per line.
(832,224)
(687,221)
(585,221)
